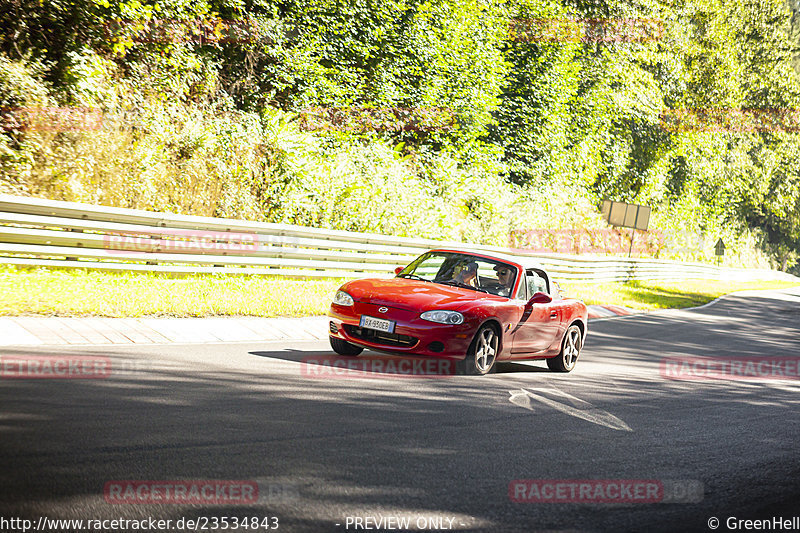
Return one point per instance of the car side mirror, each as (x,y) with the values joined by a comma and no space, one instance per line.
(540,298)
(398,270)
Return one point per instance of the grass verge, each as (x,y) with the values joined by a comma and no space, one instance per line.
(650,295)
(76,292)
(40,291)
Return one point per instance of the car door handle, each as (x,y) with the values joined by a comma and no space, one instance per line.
(553,314)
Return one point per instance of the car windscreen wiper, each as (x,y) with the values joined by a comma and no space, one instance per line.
(411,276)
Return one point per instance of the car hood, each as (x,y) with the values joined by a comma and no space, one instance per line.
(413,294)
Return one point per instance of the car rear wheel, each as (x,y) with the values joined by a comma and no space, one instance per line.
(570,350)
(482,353)
(343,347)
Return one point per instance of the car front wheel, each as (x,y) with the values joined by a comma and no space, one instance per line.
(343,347)
(482,353)
(570,350)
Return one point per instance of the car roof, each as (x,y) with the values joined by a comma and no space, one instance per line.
(520,261)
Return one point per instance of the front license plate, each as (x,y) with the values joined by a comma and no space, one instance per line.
(376,323)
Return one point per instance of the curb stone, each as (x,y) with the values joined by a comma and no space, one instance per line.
(98,331)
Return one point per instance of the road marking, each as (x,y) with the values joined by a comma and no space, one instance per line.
(579,408)
(520,397)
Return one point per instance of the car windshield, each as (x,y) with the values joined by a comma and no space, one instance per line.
(463,270)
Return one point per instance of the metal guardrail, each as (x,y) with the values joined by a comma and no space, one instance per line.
(66,234)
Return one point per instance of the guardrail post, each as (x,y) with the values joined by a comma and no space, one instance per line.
(631,270)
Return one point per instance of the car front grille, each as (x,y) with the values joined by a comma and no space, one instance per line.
(380,337)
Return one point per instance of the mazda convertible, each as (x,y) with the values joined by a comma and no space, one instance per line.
(475,308)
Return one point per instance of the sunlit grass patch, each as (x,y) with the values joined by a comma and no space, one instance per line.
(85,292)
(663,294)
(75,292)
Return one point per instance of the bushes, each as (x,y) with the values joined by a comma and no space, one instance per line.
(209,159)
(206,158)
(541,130)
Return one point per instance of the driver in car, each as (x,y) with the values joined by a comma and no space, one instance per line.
(505,275)
(468,274)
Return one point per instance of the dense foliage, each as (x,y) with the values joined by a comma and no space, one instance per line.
(445,118)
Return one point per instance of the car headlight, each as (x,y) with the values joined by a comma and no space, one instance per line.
(342,298)
(443,317)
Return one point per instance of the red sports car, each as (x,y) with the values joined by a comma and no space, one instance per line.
(476,308)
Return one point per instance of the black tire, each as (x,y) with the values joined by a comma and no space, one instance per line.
(482,353)
(343,347)
(571,345)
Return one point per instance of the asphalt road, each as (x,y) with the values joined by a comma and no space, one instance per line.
(326,450)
